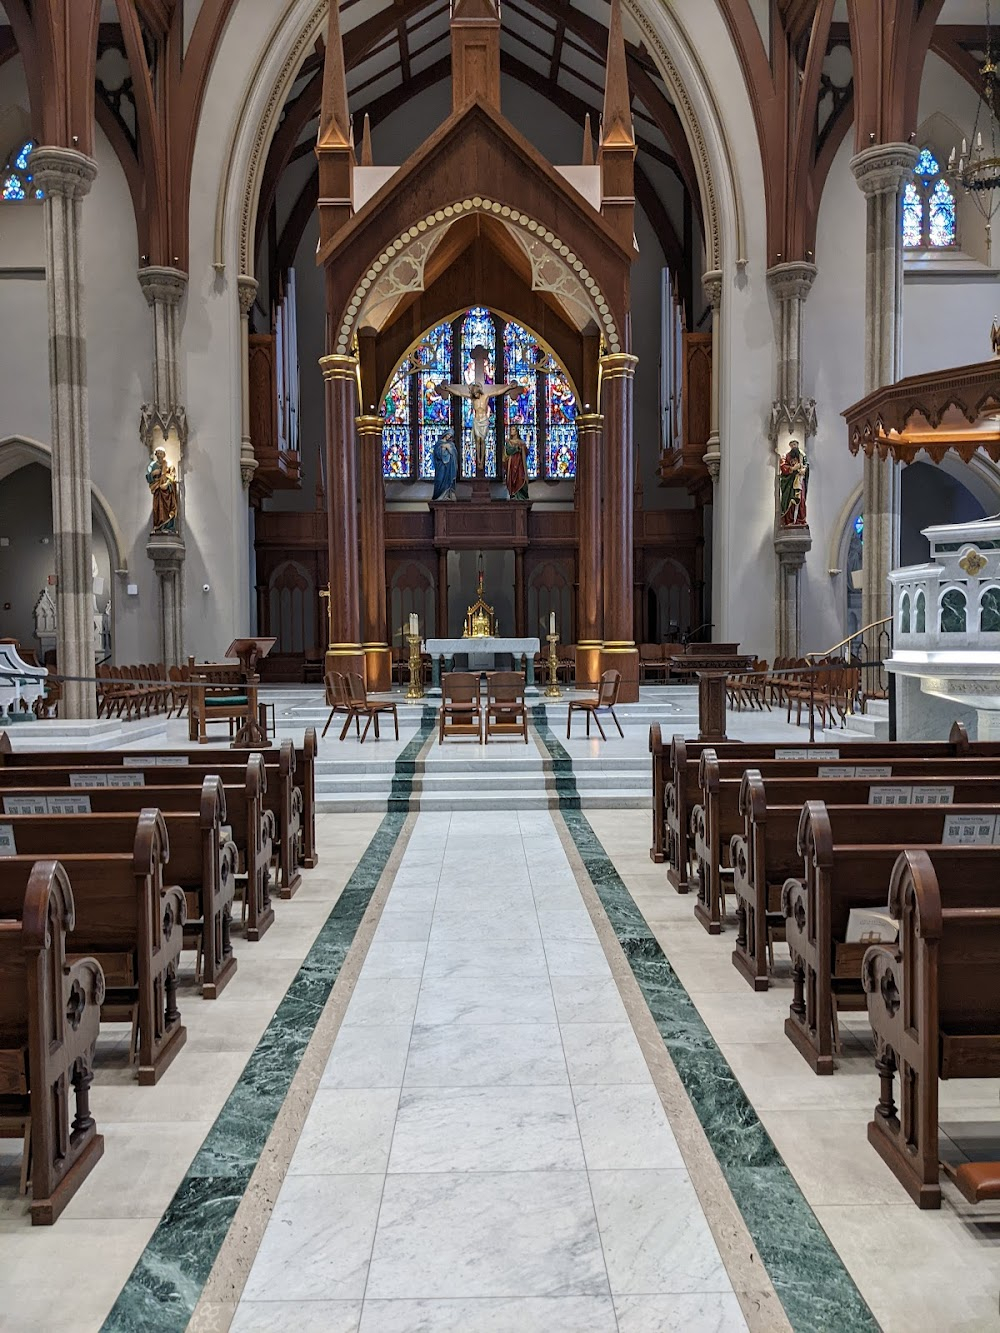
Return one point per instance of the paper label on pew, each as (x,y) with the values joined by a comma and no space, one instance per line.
(928,795)
(835,771)
(968,830)
(7,845)
(68,805)
(88,779)
(154,760)
(25,805)
(873,771)
(793,753)
(889,795)
(126,779)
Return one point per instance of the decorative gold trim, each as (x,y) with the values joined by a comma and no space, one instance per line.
(344,649)
(590,421)
(590,644)
(369,425)
(337,366)
(622,646)
(618,365)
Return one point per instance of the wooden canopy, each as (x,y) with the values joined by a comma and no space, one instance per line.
(957,409)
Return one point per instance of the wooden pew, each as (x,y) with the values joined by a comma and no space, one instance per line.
(290,791)
(716,817)
(49,1020)
(766,853)
(675,778)
(202,862)
(933,1001)
(849,853)
(133,924)
(252,827)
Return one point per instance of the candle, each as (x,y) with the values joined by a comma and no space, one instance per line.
(413,622)
(552,622)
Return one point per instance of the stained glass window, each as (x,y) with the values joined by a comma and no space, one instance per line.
(929,220)
(478,331)
(521,357)
(17,178)
(560,425)
(396,425)
(859,526)
(434,412)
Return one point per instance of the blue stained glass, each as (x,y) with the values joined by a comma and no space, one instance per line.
(521,357)
(434,412)
(942,216)
(478,331)
(17,180)
(913,216)
(21,161)
(859,526)
(561,433)
(927,166)
(396,427)
(13,188)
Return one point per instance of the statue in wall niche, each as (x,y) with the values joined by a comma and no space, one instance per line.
(515,453)
(445,466)
(793,484)
(161,479)
(995,337)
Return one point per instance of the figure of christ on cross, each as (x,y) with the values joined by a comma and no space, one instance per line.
(479,394)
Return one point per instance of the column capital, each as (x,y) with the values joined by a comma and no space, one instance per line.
(618,365)
(369,424)
(166,285)
(590,421)
(712,283)
(62,171)
(337,366)
(246,288)
(882,168)
(791,280)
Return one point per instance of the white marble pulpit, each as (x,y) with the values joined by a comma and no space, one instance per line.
(482,652)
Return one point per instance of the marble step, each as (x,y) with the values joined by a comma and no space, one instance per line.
(610,799)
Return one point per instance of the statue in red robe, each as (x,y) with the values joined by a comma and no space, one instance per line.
(515,453)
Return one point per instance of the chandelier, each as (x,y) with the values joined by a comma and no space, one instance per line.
(976,170)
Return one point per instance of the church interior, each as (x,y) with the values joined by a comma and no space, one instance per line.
(499,666)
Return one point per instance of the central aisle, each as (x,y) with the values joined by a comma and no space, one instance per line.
(487,1150)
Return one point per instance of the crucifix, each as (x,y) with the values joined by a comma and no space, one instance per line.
(479,394)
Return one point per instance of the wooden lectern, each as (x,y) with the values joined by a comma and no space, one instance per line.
(223,690)
(250,651)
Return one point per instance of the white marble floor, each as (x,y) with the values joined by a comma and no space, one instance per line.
(487,1150)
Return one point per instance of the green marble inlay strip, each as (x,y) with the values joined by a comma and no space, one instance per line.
(163,1288)
(817,1292)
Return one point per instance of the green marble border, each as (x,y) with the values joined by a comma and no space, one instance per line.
(166,1283)
(817,1292)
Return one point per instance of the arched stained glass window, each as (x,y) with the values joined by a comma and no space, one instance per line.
(928,207)
(415,416)
(859,526)
(17,178)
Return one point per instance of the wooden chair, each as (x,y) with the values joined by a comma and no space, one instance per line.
(506,710)
(338,702)
(605,702)
(369,709)
(461,711)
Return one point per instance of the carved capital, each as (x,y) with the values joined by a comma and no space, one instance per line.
(153,421)
(167,552)
(166,285)
(370,428)
(339,367)
(791,281)
(712,283)
(797,417)
(248,465)
(247,290)
(618,365)
(883,168)
(713,457)
(62,171)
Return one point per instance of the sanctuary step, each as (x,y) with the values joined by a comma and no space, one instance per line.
(871,725)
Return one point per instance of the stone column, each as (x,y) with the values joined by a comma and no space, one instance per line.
(344,651)
(791,415)
(590,599)
(378,658)
(881,172)
(163,425)
(66,176)
(712,283)
(619,652)
(247,289)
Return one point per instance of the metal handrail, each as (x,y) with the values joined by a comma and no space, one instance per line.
(858,633)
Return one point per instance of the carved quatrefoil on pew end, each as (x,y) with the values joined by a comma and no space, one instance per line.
(890,994)
(76,1003)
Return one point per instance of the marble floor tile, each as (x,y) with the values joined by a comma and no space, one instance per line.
(389,958)
(603,1053)
(479,929)
(492,999)
(381,1001)
(486,1130)
(418,897)
(348,1131)
(625,1128)
(453,1055)
(318,1242)
(513,1234)
(303,1316)
(539,1314)
(590,999)
(404,927)
(130,1181)
(506,958)
(570,924)
(705,1312)
(580,957)
(654,1234)
(368,1057)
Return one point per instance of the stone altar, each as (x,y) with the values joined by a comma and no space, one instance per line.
(481,648)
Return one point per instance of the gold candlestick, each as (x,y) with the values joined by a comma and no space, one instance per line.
(552,690)
(416,690)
